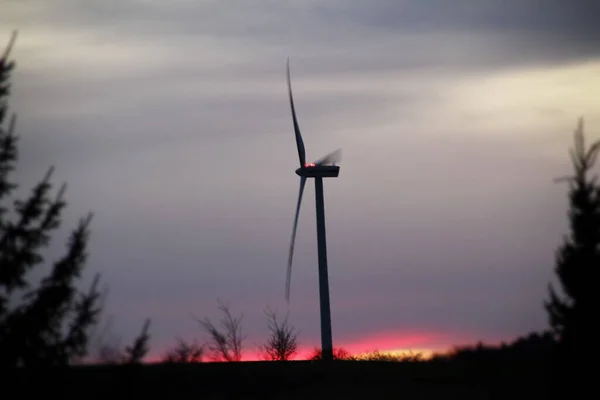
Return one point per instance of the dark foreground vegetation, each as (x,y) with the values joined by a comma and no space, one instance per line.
(489,378)
(46,326)
(516,370)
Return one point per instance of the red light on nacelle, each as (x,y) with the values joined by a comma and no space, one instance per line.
(309,165)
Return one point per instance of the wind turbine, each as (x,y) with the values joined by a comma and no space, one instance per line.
(323,168)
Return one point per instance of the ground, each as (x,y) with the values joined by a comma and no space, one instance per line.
(464,379)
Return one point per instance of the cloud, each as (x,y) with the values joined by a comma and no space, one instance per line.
(171,123)
(343,33)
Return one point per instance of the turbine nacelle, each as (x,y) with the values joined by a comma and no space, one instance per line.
(318,171)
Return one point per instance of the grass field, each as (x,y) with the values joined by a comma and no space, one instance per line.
(441,379)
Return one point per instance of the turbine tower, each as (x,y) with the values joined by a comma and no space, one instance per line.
(323,168)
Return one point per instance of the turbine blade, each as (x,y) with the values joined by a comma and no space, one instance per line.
(299,142)
(331,158)
(289,266)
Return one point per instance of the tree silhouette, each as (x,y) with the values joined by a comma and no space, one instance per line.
(107,349)
(224,344)
(283,340)
(48,324)
(572,314)
(184,352)
(135,353)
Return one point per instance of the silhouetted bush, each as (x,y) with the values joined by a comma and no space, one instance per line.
(224,344)
(339,353)
(282,343)
(532,346)
(184,352)
(377,355)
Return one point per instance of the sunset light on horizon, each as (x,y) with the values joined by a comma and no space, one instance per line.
(401,344)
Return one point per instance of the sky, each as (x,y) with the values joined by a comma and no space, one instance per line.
(170,122)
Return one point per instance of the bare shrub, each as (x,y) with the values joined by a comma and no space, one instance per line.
(283,340)
(184,352)
(225,342)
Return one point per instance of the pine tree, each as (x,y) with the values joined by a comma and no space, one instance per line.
(49,324)
(572,314)
(135,353)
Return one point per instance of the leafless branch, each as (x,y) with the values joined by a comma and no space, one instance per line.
(184,352)
(283,340)
(225,343)
(581,158)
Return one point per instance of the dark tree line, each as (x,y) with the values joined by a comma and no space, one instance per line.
(49,323)
(573,310)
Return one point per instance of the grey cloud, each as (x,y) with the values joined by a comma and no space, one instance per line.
(572,18)
(524,31)
(350,34)
(179,139)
